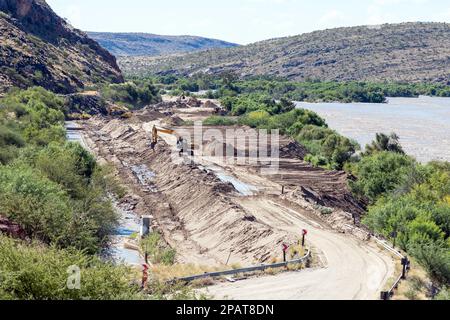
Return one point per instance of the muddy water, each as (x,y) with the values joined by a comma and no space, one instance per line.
(129,224)
(423,124)
(145,177)
(73,133)
(242,188)
(117,252)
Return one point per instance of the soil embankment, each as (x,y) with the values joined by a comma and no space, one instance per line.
(194,209)
(213,211)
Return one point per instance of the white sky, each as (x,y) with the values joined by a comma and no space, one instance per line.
(242,21)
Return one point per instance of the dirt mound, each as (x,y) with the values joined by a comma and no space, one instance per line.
(194,210)
(174,121)
(217,148)
(210,104)
(342,200)
(224,188)
(149,114)
(293,150)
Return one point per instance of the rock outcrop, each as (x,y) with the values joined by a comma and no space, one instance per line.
(39,48)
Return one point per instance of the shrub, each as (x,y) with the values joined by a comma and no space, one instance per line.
(159,252)
(37,272)
(46,211)
(327,147)
(219,121)
(133,94)
(9,137)
(381,173)
(256,119)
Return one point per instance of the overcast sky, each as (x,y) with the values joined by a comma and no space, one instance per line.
(242,21)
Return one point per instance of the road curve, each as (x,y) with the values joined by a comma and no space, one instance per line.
(354,270)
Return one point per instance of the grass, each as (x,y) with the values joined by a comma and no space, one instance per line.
(413,287)
(157,249)
(169,272)
(219,121)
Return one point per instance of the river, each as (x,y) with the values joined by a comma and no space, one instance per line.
(423,123)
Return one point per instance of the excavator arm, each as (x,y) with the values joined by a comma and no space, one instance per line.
(155,133)
(180,143)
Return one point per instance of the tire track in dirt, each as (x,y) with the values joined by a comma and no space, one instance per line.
(353,270)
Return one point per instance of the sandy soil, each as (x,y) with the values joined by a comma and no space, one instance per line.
(212,211)
(353,269)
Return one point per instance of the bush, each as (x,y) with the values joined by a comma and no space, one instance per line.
(37,204)
(444,294)
(219,121)
(69,165)
(256,119)
(158,250)
(37,272)
(47,212)
(133,94)
(9,137)
(420,216)
(380,174)
(327,147)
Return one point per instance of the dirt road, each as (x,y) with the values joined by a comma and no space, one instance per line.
(353,269)
(209,210)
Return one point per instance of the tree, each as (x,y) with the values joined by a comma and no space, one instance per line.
(380,174)
(384,142)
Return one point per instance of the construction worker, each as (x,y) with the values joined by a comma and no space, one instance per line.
(154,138)
(180,145)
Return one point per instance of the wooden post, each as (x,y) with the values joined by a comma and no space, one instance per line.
(404,264)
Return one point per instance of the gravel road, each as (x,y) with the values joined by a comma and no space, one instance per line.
(353,269)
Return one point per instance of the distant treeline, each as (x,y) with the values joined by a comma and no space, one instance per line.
(311,91)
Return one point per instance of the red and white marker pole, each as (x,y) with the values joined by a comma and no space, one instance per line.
(304,233)
(285,249)
(144,275)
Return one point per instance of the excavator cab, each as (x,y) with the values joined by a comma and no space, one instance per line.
(181,143)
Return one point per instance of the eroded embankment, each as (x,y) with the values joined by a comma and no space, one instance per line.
(195,211)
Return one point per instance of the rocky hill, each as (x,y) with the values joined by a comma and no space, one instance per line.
(145,44)
(396,52)
(39,48)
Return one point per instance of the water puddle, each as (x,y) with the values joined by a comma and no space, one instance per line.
(117,252)
(241,187)
(145,177)
(73,133)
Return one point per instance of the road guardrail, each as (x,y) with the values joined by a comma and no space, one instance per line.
(303,259)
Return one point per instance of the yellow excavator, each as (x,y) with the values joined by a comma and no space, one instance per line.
(181,145)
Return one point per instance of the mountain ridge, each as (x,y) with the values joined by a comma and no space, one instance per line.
(414,51)
(39,48)
(141,43)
